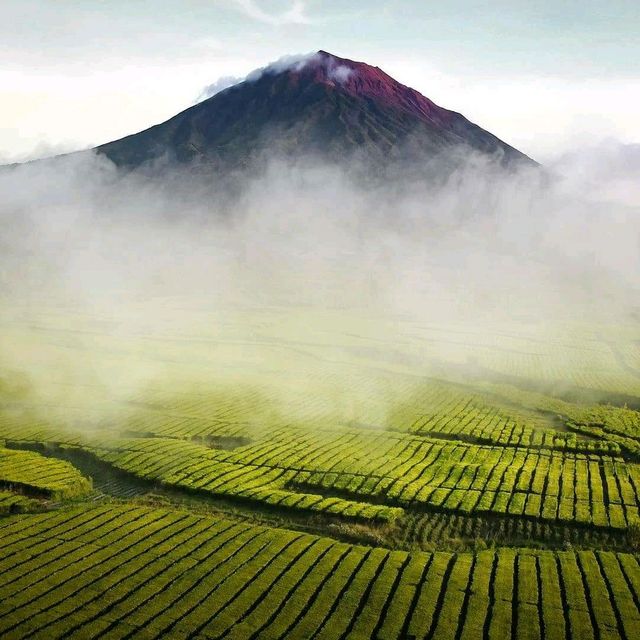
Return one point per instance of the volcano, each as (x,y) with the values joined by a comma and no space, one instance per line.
(323,105)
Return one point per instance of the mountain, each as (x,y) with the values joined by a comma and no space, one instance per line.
(322,104)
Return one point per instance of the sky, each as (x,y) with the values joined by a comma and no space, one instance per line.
(545,76)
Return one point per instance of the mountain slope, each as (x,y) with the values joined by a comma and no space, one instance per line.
(323,104)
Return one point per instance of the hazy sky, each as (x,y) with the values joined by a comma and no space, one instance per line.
(541,74)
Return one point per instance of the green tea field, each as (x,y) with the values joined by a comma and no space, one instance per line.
(264,474)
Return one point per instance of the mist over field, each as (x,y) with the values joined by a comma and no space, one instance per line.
(343,347)
(535,251)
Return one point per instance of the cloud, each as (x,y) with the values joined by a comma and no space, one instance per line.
(336,72)
(160,266)
(41,149)
(294,15)
(219,85)
(607,170)
(295,62)
(340,73)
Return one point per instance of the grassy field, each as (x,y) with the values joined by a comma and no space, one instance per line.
(288,473)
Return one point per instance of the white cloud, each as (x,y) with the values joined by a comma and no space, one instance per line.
(219,85)
(336,72)
(294,15)
(607,171)
(293,62)
(340,74)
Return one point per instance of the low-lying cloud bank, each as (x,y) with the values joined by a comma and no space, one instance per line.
(76,224)
(480,249)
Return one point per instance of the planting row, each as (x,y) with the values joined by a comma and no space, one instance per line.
(33,474)
(118,572)
(366,473)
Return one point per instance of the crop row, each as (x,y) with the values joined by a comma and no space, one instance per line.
(443,410)
(601,491)
(32,473)
(139,572)
(390,402)
(457,531)
(490,426)
(12,428)
(337,472)
(594,368)
(12,502)
(196,468)
(410,471)
(432,408)
(367,472)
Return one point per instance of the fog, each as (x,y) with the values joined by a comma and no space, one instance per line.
(101,270)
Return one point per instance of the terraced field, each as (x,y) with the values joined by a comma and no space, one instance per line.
(140,572)
(28,472)
(359,481)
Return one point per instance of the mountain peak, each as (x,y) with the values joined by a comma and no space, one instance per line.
(315,104)
(360,79)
